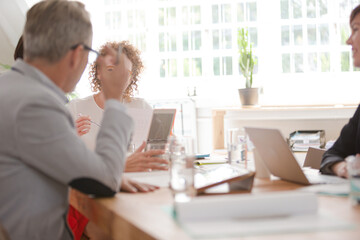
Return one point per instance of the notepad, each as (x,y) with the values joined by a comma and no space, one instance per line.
(142,120)
(244,206)
(248,215)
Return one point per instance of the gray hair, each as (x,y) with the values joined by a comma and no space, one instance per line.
(54,26)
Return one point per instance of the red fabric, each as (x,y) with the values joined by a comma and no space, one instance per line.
(77,222)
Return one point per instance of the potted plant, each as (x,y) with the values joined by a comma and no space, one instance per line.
(248,96)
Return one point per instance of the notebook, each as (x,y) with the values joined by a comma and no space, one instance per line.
(313,157)
(161,126)
(278,158)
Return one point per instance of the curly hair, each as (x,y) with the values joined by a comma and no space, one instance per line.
(137,67)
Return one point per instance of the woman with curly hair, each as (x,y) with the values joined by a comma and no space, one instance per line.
(88,114)
(88,111)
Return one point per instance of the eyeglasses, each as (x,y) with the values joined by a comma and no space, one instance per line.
(93,54)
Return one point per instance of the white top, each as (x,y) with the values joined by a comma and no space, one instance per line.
(87,106)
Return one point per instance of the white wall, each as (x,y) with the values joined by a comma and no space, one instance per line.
(331,120)
(12,20)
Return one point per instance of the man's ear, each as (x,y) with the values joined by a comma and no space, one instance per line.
(76,56)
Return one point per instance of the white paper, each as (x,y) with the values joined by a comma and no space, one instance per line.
(262,205)
(157,178)
(261,226)
(142,120)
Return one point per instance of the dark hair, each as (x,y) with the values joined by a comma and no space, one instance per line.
(19,50)
(354,13)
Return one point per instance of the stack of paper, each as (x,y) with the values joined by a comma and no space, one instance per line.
(247,206)
(247,214)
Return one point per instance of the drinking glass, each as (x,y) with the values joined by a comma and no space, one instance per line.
(181,155)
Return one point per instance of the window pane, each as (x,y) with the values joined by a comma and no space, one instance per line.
(198,67)
(161,17)
(173,67)
(117,19)
(345,61)
(298,34)
(186,67)
(324,34)
(161,42)
(196,14)
(196,35)
(344,32)
(107,19)
(285,63)
(240,12)
(142,43)
(297,8)
(311,31)
(253,36)
(216,66)
(227,38)
(216,43)
(141,19)
(323,7)
(325,62)
(226,13)
(130,19)
(173,42)
(215,13)
(251,11)
(185,15)
(285,35)
(284,9)
(162,68)
(185,41)
(299,62)
(312,60)
(343,9)
(311,9)
(227,64)
(172,16)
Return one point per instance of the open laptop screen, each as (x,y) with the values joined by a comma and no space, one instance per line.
(161,124)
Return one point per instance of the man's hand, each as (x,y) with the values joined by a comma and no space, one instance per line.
(141,161)
(128,185)
(113,83)
(340,169)
(83,125)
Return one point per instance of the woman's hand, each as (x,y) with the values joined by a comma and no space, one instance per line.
(132,186)
(83,125)
(141,161)
(340,169)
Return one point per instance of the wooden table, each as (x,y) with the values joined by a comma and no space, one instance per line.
(142,215)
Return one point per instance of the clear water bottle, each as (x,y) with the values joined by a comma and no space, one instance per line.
(181,170)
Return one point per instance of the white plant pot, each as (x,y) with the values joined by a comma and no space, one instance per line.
(249,96)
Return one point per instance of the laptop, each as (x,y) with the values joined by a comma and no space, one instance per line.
(161,126)
(278,158)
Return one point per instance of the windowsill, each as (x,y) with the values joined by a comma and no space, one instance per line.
(289,112)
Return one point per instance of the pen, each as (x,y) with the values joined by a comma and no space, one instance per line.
(118,55)
(95,123)
(199,163)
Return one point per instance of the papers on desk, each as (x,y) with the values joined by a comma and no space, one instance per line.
(247,214)
(142,120)
(157,178)
(329,189)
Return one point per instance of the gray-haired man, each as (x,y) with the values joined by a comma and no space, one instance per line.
(40,154)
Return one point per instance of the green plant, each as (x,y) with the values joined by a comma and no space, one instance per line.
(247,60)
(5,66)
